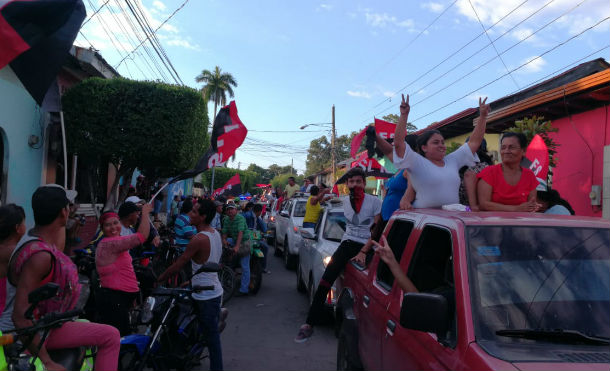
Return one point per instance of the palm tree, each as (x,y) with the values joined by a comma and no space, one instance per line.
(217,85)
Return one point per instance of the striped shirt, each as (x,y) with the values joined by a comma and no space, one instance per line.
(184,230)
(232,227)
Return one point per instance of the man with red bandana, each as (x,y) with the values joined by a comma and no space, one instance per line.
(361,211)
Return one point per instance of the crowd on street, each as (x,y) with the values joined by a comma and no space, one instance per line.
(209,230)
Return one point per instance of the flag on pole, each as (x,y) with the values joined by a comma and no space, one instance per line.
(383,128)
(371,167)
(228,133)
(35,39)
(537,160)
(231,188)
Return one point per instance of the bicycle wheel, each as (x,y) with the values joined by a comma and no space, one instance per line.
(226,275)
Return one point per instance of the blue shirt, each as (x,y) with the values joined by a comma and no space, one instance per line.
(184,230)
(216,222)
(261,225)
(395,189)
(250,218)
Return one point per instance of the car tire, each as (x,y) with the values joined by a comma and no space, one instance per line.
(344,359)
(300,284)
(310,291)
(290,260)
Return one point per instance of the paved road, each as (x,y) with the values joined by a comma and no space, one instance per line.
(260,329)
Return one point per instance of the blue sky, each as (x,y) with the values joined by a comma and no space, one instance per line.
(294,60)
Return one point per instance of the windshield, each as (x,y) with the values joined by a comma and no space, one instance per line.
(334,227)
(539,278)
(299,209)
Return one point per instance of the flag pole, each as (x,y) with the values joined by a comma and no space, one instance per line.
(159,191)
(213,173)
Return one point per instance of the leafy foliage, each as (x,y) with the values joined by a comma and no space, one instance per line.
(217,85)
(159,128)
(452,147)
(282,179)
(530,126)
(319,152)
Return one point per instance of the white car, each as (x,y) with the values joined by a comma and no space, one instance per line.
(287,224)
(317,248)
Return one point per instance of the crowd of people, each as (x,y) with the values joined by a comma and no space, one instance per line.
(428,177)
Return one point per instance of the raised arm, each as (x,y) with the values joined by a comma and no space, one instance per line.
(387,255)
(479,130)
(144,228)
(401,127)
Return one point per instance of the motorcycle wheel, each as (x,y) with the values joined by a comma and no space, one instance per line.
(256,275)
(226,275)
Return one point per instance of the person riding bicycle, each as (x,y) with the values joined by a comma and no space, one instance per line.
(119,285)
(236,236)
(39,259)
(205,246)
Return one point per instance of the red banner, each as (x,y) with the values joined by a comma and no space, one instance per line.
(538,155)
(231,187)
(385,129)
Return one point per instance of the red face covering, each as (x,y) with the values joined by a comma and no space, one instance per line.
(356,198)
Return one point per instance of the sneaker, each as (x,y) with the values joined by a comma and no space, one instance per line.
(304,334)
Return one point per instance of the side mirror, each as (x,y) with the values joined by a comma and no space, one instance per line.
(425,312)
(308,233)
(284,214)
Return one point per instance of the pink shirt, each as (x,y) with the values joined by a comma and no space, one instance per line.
(114,264)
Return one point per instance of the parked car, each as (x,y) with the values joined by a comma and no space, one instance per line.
(497,291)
(317,248)
(287,224)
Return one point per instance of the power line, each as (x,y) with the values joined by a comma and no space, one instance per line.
(94,13)
(157,29)
(389,99)
(492,43)
(490,60)
(412,41)
(515,69)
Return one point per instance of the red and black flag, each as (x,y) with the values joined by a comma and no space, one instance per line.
(228,134)
(370,166)
(383,128)
(231,188)
(537,160)
(35,39)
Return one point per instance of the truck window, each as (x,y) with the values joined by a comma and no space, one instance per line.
(431,270)
(397,239)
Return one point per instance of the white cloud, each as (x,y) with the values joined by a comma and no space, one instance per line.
(326,7)
(358,94)
(383,20)
(433,7)
(183,43)
(388,94)
(534,65)
(159,5)
(169,28)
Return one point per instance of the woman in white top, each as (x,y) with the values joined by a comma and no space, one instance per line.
(435,176)
(205,246)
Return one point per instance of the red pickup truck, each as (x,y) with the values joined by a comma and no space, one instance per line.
(497,291)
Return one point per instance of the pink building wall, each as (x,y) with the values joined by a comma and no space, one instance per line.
(580,157)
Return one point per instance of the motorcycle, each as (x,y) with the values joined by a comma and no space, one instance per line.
(174,338)
(256,264)
(14,358)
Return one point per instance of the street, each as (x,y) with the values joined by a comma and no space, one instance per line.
(260,329)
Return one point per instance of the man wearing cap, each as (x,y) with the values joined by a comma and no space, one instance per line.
(38,259)
(216,222)
(153,237)
(128,214)
(235,233)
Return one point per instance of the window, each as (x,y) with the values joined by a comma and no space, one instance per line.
(334,228)
(397,239)
(431,270)
(299,209)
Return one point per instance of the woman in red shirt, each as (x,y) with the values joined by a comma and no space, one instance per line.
(508,186)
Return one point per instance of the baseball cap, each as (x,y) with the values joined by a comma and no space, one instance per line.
(127,208)
(134,199)
(48,200)
(231,205)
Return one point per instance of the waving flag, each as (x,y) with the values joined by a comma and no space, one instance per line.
(228,134)
(383,128)
(370,166)
(537,160)
(231,188)
(35,39)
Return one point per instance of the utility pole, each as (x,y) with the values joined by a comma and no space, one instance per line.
(333,134)
(291,166)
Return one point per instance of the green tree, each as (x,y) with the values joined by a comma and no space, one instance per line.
(276,169)
(265,174)
(217,85)
(282,179)
(319,153)
(158,128)
(530,126)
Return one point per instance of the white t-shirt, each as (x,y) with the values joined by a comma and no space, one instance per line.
(358,227)
(435,186)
